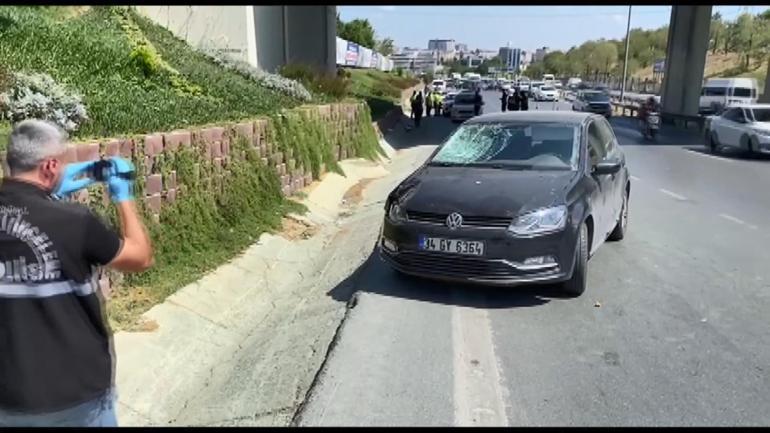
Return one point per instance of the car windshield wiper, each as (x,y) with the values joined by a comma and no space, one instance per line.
(502,166)
(446,164)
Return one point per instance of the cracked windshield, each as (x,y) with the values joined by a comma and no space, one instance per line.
(320,215)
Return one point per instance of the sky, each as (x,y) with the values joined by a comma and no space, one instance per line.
(525,27)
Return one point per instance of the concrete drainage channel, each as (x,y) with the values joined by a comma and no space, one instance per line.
(245,344)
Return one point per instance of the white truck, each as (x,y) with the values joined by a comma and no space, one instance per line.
(718,93)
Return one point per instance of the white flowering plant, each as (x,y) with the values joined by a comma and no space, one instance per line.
(38,96)
(271,81)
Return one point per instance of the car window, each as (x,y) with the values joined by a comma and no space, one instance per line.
(731,114)
(761,114)
(714,91)
(608,137)
(596,146)
(515,145)
(742,92)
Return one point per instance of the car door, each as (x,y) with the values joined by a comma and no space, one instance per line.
(602,204)
(618,179)
(729,127)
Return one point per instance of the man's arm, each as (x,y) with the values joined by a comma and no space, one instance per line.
(135,254)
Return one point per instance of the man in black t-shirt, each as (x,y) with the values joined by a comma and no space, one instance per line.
(56,367)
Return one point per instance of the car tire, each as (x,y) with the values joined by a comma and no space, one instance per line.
(713,143)
(576,285)
(753,145)
(620,227)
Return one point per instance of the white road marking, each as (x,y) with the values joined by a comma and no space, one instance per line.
(672,194)
(707,155)
(478,394)
(634,178)
(732,218)
(738,221)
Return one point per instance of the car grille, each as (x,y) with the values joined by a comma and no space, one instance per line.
(599,106)
(454,266)
(468,221)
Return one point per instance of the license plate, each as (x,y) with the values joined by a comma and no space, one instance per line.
(654,120)
(452,246)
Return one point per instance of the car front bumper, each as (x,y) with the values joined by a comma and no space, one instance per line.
(501,264)
(763,144)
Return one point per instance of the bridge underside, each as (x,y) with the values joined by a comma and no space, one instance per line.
(296,34)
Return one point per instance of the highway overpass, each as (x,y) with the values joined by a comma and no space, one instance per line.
(265,36)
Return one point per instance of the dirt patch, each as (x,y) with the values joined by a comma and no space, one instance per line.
(293,228)
(355,194)
(122,306)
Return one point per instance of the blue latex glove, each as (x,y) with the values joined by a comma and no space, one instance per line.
(69,183)
(121,189)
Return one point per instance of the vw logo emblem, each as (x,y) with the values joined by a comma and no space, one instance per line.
(454,220)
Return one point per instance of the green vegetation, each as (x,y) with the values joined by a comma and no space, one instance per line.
(381,90)
(362,33)
(134,76)
(748,36)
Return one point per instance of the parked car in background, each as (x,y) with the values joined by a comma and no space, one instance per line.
(718,93)
(449,99)
(546,93)
(462,107)
(511,198)
(439,85)
(593,101)
(744,127)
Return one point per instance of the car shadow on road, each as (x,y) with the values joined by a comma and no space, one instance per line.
(730,153)
(433,131)
(377,277)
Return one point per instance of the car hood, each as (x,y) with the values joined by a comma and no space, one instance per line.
(764,126)
(486,192)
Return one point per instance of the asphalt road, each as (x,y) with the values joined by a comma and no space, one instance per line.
(672,330)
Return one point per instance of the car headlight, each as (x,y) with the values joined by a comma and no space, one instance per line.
(540,221)
(764,132)
(396,212)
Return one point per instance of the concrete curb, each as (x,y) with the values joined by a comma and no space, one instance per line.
(160,372)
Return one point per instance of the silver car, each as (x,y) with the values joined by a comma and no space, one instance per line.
(463,107)
(446,107)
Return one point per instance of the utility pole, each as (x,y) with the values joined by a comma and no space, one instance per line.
(625,62)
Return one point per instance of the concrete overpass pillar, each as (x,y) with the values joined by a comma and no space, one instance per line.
(765,97)
(688,39)
(296,34)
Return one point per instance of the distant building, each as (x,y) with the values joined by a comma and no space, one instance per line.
(442,45)
(416,60)
(540,54)
(511,58)
(463,48)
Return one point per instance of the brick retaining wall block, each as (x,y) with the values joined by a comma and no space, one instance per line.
(153,203)
(87,151)
(153,184)
(171,180)
(246,130)
(111,148)
(127,148)
(153,144)
(174,139)
(71,155)
(171,195)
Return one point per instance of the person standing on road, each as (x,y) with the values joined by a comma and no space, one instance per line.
(513,101)
(417,109)
(56,347)
(438,100)
(428,103)
(524,100)
(504,100)
(478,101)
(411,102)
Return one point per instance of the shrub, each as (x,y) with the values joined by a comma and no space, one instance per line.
(271,81)
(333,85)
(39,96)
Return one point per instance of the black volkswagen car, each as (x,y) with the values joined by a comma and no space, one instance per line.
(511,198)
(593,101)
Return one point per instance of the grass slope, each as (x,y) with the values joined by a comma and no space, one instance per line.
(90,52)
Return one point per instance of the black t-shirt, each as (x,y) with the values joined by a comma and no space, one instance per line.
(55,345)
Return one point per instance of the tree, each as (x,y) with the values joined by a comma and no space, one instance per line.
(716,31)
(385,46)
(742,37)
(358,31)
(555,63)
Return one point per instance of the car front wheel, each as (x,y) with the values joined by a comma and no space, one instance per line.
(576,285)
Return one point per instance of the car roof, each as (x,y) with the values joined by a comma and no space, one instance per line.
(567,117)
(752,106)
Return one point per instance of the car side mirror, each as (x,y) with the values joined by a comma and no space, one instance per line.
(606,167)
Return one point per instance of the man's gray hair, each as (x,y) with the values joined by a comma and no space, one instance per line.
(31,142)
